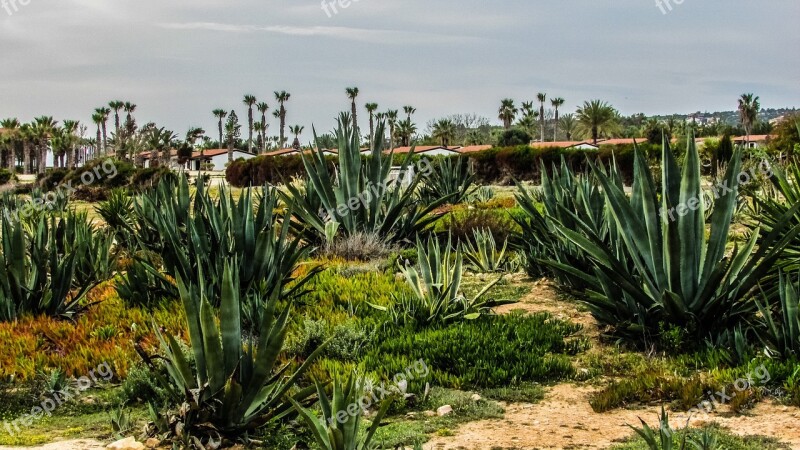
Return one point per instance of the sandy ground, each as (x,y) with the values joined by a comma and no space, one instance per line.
(565,420)
(77,444)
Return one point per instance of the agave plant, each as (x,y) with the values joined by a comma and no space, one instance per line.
(360,195)
(117,214)
(236,384)
(338,428)
(436,295)
(484,256)
(45,273)
(565,198)
(781,322)
(450,178)
(677,276)
(768,211)
(483,194)
(193,233)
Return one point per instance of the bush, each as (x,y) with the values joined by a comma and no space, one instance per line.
(358,247)
(263,170)
(6,176)
(462,224)
(491,351)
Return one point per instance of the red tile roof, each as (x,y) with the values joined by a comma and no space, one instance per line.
(423,149)
(474,148)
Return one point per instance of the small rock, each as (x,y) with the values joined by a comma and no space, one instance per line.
(152,443)
(129,443)
(444,410)
(429,413)
(475,398)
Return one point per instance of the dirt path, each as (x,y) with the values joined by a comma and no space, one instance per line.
(565,420)
(77,444)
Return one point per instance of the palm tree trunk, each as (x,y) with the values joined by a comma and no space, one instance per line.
(555,128)
(283,126)
(43,158)
(220,133)
(250,129)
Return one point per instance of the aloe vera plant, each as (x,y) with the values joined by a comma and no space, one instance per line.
(678,277)
(450,178)
(338,428)
(236,384)
(358,193)
(436,295)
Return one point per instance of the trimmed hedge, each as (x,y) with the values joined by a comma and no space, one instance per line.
(263,170)
(498,165)
(503,165)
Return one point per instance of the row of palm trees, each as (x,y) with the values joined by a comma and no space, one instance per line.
(258,128)
(400,130)
(25,145)
(529,116)
(593,119)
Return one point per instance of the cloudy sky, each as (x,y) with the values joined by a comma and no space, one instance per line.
(179,59)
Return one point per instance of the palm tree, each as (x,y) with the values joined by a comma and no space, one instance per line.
(371,108)
(527,109)
(97,118)
(282,97)
(220,114)
(249,101)
(409,110)
(71,141)
(9,139)
(556,102)
(116,106)
(444,131)
(749,106)
(104,113)
(406,130)
(567,123)
(391,120)
(542,97)
(507,112)
(129,108)
(352,94)
(596,117)
(528,123)
(43,129)
(263,107)
(296,130)
(232,132)
(26,136)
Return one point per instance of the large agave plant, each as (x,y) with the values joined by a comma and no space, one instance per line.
(484,256)
(236,384)
(338,428)
(450,178)
(565,199)
(780,330)
(678,276)
(768,211)
(359,194)
(198,233)
(46,269)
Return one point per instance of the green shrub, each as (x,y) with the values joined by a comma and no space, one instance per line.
(491,351)
(5,176)
(263,170)
(461,224)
